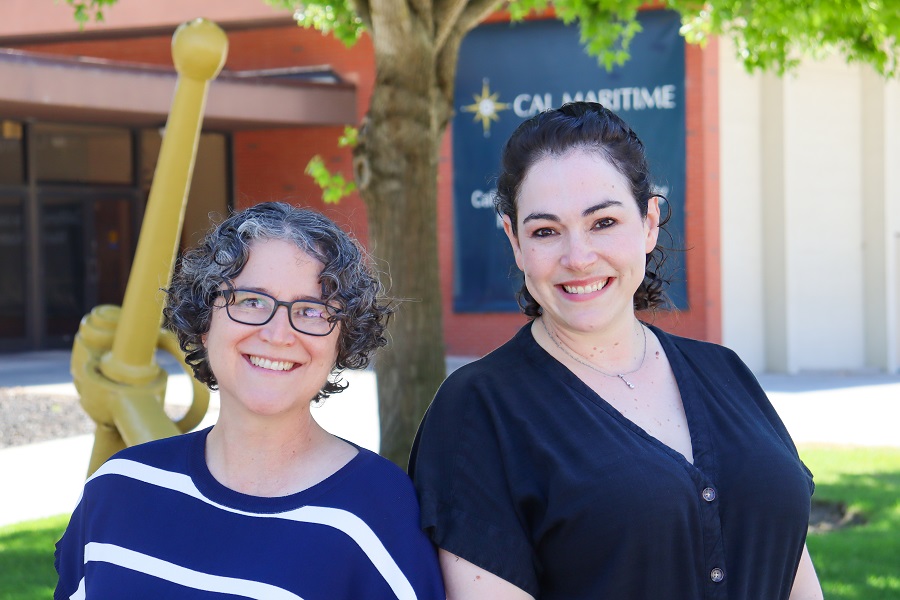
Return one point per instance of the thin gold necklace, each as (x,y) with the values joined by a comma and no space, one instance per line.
(592,367)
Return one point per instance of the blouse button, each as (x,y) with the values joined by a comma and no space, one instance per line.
(709,494)
(717,575)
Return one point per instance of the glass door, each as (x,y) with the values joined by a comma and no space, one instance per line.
(87,245)
(112,249)
(13,273)
(64,260)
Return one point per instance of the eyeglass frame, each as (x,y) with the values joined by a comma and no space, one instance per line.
(228,295)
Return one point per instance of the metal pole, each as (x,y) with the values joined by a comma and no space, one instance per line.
(113,357)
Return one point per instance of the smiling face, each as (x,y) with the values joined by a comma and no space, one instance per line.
(581,241)
(271,369)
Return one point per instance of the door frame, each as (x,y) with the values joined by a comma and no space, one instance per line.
(86,197)
(33,194)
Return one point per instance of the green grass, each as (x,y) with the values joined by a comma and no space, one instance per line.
(861,562)
(26,558)
(857,563)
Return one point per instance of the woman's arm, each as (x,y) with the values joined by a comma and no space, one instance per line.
(465,581)
(806,583)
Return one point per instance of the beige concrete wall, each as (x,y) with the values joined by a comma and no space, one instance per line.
(810,217)
(892,201)
(823,196)
(741,213)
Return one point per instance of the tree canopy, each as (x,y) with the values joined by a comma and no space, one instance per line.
(769,34)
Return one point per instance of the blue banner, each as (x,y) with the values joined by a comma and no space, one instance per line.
(509,72)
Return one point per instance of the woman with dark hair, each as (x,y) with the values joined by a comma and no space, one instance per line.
(266,503)
(593,455)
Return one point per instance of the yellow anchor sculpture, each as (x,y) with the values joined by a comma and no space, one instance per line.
(114,364)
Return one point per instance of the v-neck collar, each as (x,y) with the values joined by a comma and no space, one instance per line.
(692,398)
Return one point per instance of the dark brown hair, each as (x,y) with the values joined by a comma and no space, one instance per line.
(589,126)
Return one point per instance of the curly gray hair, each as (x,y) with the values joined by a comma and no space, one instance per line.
(348,280)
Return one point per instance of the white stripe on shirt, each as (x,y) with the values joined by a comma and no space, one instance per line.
(144,563)
(339,519)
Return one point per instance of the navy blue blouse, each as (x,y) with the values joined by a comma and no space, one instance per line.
(525,471)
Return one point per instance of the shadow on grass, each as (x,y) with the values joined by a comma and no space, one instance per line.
(861,562)
(26,559)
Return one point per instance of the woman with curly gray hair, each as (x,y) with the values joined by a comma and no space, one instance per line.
(349,289)
(266,503)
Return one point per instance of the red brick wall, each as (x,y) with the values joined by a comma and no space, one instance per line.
(268,165)
(703,320)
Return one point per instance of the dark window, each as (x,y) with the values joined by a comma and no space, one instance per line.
(62,248)
(12,274)
(82,154)
(11,163)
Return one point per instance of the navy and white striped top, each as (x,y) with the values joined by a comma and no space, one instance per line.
(152,522)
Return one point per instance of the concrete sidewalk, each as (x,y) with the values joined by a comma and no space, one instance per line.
(45,479)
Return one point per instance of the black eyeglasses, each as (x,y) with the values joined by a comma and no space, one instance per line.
(249,307)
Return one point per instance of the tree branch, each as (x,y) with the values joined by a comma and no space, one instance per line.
(445,79)
(475,12)
(423,9)
(446,63)
(446,15)
(391,27)
(362,10)
(468,14)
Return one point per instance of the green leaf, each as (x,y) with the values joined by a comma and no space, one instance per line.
(337,18)
(334,186)
(768,34)
(350,137)
(87,10)
(778,34)
(607,26)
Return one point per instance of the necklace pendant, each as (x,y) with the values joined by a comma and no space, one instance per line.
(592,367)
(628,383)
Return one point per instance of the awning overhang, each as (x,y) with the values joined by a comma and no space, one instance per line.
(103,92)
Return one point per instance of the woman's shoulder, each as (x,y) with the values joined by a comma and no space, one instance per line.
(171,453)
(370,483)
(694,349)
(374,465)
(478,399)
(510,360)
(374,473)
(161,447)
(716,365)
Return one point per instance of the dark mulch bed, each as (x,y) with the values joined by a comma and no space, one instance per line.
(26,418)
(827,516)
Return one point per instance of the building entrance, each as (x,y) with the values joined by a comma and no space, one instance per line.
(12,269)
(58,259)
(87,246)
(71,203)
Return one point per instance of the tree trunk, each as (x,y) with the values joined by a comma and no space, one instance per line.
(396,168)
